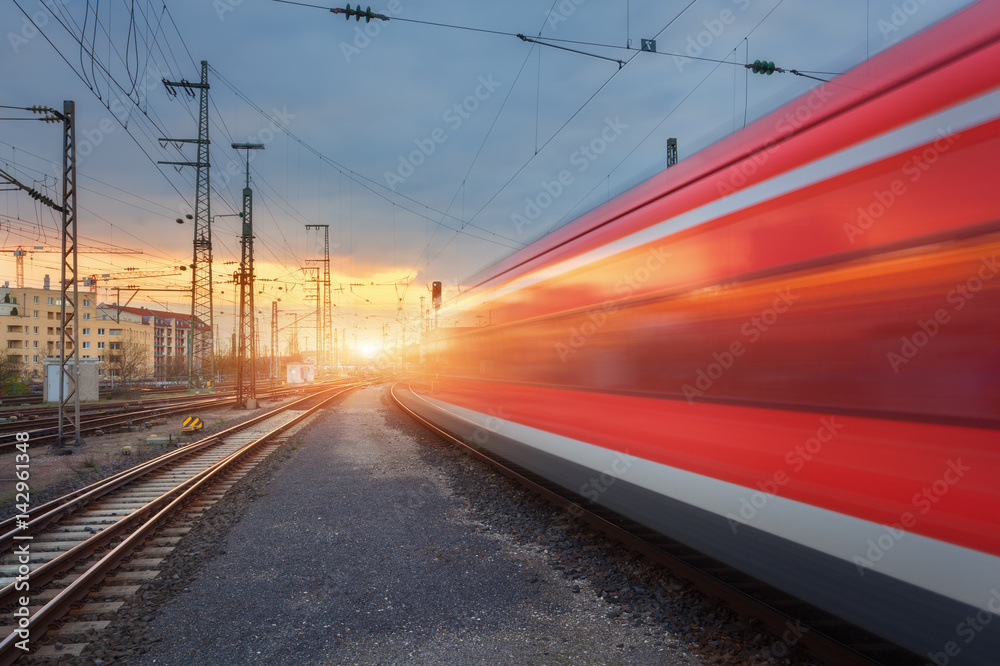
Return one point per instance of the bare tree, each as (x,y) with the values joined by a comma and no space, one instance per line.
(127,361)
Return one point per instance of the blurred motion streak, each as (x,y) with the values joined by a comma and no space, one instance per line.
(830,273)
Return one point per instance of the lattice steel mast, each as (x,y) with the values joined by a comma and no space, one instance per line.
(201,360)
(246,364)
(324,313)
(68,377)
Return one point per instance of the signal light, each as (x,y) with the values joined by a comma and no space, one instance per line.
(436,293)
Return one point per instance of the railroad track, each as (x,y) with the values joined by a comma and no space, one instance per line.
(828,638)
(43,429)
(120,529)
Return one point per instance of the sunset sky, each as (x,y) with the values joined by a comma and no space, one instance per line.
(430,150)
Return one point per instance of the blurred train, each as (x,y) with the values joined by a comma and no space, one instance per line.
(784,351)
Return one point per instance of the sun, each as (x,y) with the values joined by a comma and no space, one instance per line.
(368,349)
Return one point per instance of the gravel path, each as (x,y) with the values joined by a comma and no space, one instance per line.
(359,552)
(368,541)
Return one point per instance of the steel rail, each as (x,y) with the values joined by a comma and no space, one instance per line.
(58,508)
(62,602)
(44,434)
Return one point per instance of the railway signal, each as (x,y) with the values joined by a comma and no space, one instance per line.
(436,294)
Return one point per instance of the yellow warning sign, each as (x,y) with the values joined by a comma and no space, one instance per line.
(192,423)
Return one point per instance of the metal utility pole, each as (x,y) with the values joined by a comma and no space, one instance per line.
(318,297)
(68,377)
(201,360)
(326,312)
(274,340)
(68,277)
(246,383)
(671,152)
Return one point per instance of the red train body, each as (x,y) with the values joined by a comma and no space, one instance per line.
(783,350)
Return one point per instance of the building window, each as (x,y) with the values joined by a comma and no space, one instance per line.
(36,344)
(86,303)
(100,345)
(36,330)
(100,331)
(36,358)
(25,358)
(36,300)
(50,300)
(36,314)
(86,344)
(115,331)
(86,331)
(86,316)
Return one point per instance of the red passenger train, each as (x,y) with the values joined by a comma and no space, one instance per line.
(783,351)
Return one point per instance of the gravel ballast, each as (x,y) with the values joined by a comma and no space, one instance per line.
(372,543)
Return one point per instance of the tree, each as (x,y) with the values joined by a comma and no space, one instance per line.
(128,361)
(10,371)
(175,367)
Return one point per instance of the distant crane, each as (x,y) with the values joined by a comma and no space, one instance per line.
(20,251)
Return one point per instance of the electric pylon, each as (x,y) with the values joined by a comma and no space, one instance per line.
(274,340)
(201,360)
(246,382)
(325,312)
(69,269)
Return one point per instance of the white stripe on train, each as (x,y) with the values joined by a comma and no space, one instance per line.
(906,556)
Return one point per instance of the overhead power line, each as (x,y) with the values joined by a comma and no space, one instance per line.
(548,41)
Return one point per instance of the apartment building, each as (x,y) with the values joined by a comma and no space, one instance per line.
(31,325)
(171,337)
